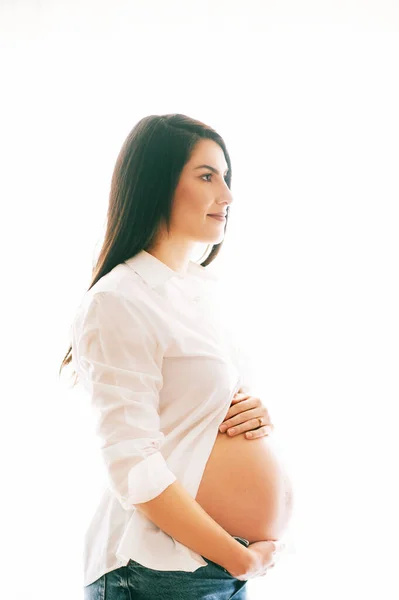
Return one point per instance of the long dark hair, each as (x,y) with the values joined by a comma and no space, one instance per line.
(145,176)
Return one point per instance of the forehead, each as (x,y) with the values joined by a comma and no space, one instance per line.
(208,151)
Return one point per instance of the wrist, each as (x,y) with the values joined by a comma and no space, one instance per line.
(239,559)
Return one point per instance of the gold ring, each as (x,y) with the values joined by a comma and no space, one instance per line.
(260,421)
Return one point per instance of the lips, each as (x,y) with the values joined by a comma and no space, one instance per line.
(218,217)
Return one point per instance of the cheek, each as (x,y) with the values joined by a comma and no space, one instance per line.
(191,206)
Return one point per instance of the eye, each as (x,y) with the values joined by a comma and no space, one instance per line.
(210,175)
(207,175)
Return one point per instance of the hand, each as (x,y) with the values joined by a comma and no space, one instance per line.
(243,416)
(261,557)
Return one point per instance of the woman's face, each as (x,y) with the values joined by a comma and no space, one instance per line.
(199,193)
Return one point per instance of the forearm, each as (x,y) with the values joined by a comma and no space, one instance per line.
(180,516)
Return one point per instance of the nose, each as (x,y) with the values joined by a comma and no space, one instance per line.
(226,195)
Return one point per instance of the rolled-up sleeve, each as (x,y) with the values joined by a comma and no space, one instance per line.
(119,362)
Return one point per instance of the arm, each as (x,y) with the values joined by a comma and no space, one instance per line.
(120,361)
(180,516)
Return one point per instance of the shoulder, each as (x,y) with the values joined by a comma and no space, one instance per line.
(121,281)
(120,297)
(120,286)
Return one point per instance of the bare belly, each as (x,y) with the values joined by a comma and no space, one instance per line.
(245,488)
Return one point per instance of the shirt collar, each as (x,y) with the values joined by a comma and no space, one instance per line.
(155,272)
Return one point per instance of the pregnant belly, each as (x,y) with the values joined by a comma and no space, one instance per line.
(245,488)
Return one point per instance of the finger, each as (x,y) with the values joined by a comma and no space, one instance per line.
(251,431)
(239,397)
(248,425)
(238,410)
(244,413)
(250,428)
(246,410)
(246,399)
(257,433)
(242,416)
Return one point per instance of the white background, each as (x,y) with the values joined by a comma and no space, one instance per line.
(306,96)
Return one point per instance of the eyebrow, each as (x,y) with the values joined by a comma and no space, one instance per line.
(210,168)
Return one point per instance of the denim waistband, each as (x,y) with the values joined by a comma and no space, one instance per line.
(242,540)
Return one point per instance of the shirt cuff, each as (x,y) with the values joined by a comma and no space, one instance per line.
(146,480)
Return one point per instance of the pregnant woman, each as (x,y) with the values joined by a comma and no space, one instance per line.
(188,511)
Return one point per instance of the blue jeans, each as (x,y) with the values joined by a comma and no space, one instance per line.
(136,582)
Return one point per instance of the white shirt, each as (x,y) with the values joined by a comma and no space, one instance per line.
(161,368)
